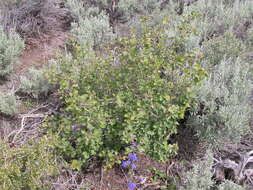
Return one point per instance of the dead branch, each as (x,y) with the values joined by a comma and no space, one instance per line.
(30,122)
(241,169)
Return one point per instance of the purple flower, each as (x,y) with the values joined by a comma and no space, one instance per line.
(131,186)
(124,163)
(142,180)
(134,144)
(132,157)
(133,166)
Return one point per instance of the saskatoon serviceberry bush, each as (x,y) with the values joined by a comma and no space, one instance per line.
(137,92)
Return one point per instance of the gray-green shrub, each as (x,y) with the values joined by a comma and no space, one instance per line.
(8,103)
(229,185)
(217,18)
(216,49)
(35,83)
(97,20)
(93,31)
(201,177)
(223,106)
(11,46)
(119,11)
(250,38)
(92,27)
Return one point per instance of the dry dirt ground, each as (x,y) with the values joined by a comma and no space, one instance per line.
(36,55)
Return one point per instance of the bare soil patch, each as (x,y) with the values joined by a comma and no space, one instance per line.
(38,52)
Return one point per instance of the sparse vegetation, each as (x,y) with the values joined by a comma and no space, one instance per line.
(200,177)
(229,185)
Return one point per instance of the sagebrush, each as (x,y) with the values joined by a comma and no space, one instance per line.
(201,177)
(35,84)
(8,103)
(11,46)
(223,110)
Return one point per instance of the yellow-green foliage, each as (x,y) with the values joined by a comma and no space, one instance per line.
(27,167)
(138,93)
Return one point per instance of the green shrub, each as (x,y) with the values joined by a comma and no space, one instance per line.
(8,104)
(223,112)
(35,84)
(138,93)
(11,46)
(27,167)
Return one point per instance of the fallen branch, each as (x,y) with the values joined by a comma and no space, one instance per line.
(240,168)
(27,126)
